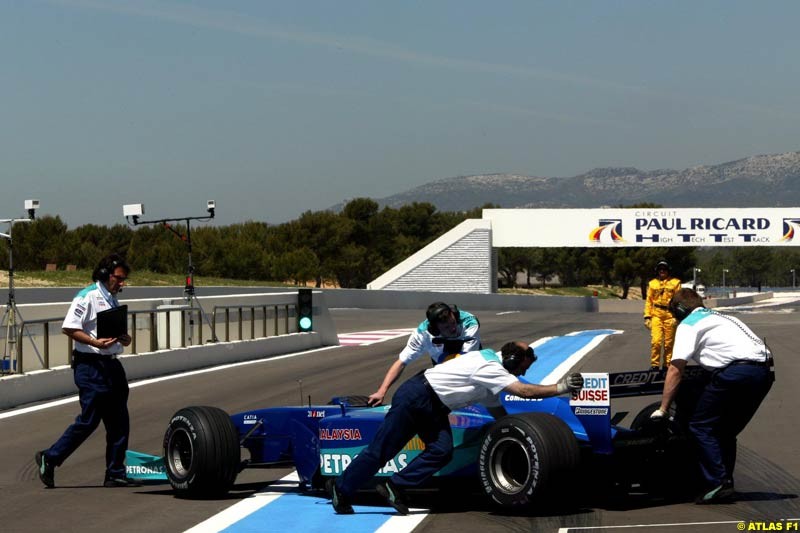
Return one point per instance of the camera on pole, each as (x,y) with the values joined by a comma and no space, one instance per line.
(12,321)
(132,212)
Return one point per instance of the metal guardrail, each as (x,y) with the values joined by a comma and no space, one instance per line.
(280,314)
(226,311)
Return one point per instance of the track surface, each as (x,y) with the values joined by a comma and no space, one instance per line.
(768,471)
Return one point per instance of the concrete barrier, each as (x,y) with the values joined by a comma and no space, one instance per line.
(387,299)
(38,385)
(21,389)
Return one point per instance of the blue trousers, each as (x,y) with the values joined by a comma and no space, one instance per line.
(415,410)
(724,408)
(103,394)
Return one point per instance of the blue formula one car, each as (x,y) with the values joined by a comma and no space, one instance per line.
(518,460)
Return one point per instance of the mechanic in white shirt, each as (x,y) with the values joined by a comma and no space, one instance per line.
(445,333)
(741,376)
(421,406)
(99,376)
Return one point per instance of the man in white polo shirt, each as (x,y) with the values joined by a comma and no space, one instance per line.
(421,406)
(99,376)
(741,376)
(446,332)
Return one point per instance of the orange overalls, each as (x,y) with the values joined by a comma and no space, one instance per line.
(662,323)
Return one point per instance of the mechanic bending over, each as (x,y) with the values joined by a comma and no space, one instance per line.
(99,376)
(421,406)
(445,333)
(742,373)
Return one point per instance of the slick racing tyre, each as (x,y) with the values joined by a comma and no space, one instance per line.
(668,465)
(526,459)
(201,452)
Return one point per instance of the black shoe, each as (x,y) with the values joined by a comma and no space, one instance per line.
(45,469)
(722,494)
(341,503)
(393,495)
(120,481)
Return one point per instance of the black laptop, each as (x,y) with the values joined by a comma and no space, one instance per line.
(112,323)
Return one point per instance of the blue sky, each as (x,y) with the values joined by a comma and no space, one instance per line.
(273,108)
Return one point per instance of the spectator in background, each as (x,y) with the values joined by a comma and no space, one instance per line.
(445,333)
(657,317)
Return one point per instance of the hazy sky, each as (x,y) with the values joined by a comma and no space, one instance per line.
(273,108)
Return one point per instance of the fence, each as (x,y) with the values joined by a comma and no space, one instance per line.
(155,329)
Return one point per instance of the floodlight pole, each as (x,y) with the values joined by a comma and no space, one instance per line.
(188,289)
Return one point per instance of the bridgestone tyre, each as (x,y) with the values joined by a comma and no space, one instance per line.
(669,465)
(527,459)
(201,452)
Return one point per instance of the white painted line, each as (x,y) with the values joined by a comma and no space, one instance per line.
(135,384)
(568,363)
(242,509)
(403,524)
(506,313)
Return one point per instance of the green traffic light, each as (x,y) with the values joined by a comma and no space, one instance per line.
(305,323)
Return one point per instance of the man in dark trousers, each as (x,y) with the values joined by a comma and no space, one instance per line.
(99,376)
(421,406)
(742,373)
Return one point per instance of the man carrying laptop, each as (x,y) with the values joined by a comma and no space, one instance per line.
(99,376)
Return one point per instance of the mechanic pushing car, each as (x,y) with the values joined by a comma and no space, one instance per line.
(445,333)
(742,373)
(421,406)
(657,317)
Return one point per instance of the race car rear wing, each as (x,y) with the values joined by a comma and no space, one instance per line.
(647,382)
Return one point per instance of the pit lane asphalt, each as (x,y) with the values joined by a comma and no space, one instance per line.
(767,477)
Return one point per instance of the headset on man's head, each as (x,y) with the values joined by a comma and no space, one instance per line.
(515,360)
(107,266)
(679,311)
(439,312)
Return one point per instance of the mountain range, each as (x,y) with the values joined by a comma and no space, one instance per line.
(757,181)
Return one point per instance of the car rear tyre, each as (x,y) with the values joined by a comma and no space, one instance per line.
(201,452)
(669,465)
(526,459)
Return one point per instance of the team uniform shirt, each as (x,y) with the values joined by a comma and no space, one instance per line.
(714,340)
(82,315)
(421,341)
(475,377)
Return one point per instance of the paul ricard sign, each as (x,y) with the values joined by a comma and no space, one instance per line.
(644,227)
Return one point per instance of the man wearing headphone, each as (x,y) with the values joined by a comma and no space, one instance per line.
(445,333)
(99,376)
(421,406)
(657,317)
(742,373)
